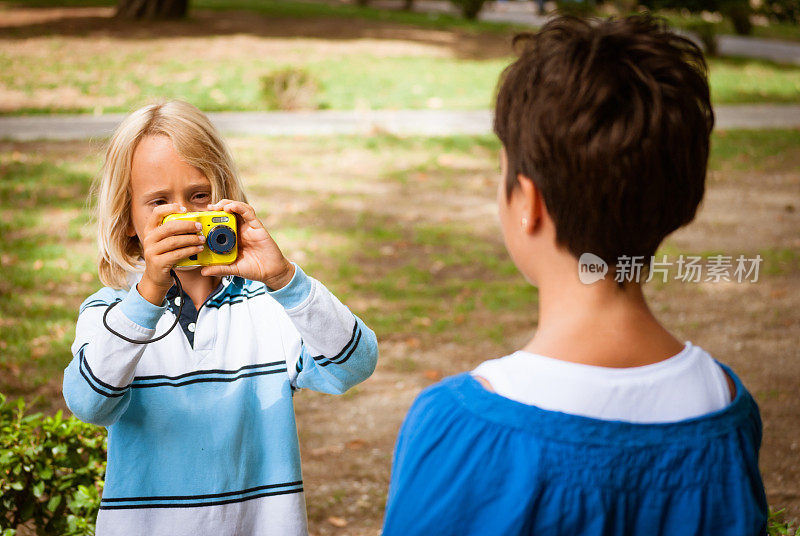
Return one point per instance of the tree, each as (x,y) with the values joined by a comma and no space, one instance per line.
(152,9)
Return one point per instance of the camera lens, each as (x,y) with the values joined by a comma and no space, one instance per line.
(221,239)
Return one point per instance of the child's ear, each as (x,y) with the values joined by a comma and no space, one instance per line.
(130,231)
(532,204)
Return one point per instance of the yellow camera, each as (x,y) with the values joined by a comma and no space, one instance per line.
(219,229)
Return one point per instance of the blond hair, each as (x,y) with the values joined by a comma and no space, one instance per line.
(196,142)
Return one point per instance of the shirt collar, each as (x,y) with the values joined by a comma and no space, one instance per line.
(134,277)
(235,280)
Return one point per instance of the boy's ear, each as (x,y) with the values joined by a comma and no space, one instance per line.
(531,199)
(130,231)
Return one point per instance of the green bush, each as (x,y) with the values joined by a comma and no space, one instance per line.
(290,88)
(51,472)
(469,8)
(778,526)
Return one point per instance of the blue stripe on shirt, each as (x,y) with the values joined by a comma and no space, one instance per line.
(208,499)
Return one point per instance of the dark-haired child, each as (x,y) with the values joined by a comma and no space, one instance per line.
(604,423)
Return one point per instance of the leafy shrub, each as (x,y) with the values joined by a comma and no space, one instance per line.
(290,88)
(51,472)
(469,8)
(778,526)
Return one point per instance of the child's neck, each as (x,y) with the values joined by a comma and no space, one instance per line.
(598,324)
(197,286)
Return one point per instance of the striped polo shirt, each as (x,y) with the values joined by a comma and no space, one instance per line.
(201,430)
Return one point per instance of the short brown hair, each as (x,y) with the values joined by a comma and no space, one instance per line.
(611,121)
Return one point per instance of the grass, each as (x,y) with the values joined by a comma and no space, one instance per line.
(773,261)
(432,277)
(64,76)
(741,150)
(413,65)
(61,81)
(46,262)
(744,80)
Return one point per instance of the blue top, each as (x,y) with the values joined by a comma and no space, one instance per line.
(471,462)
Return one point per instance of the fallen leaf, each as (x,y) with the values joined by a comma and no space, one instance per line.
(433,375)
(356,444)
(413,342)
(337,521)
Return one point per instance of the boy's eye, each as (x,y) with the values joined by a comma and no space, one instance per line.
(201,197)
(157,202)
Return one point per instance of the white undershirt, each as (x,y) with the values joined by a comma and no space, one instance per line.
(686,385)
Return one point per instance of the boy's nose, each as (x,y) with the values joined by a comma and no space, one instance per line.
(195,206)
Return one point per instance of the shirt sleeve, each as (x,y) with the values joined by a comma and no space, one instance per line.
(337,349)
(97,380)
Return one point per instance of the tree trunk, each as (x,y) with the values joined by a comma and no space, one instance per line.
(152,9)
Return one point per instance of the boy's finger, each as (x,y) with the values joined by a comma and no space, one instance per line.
(219,270)
(176,242)
(218,205)
(244,210)
(160,212)
(175,256)
(173,228)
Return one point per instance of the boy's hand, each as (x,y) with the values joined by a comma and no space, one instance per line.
(164,246)
(260,258)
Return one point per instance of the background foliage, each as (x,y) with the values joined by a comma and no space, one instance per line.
(51,472)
